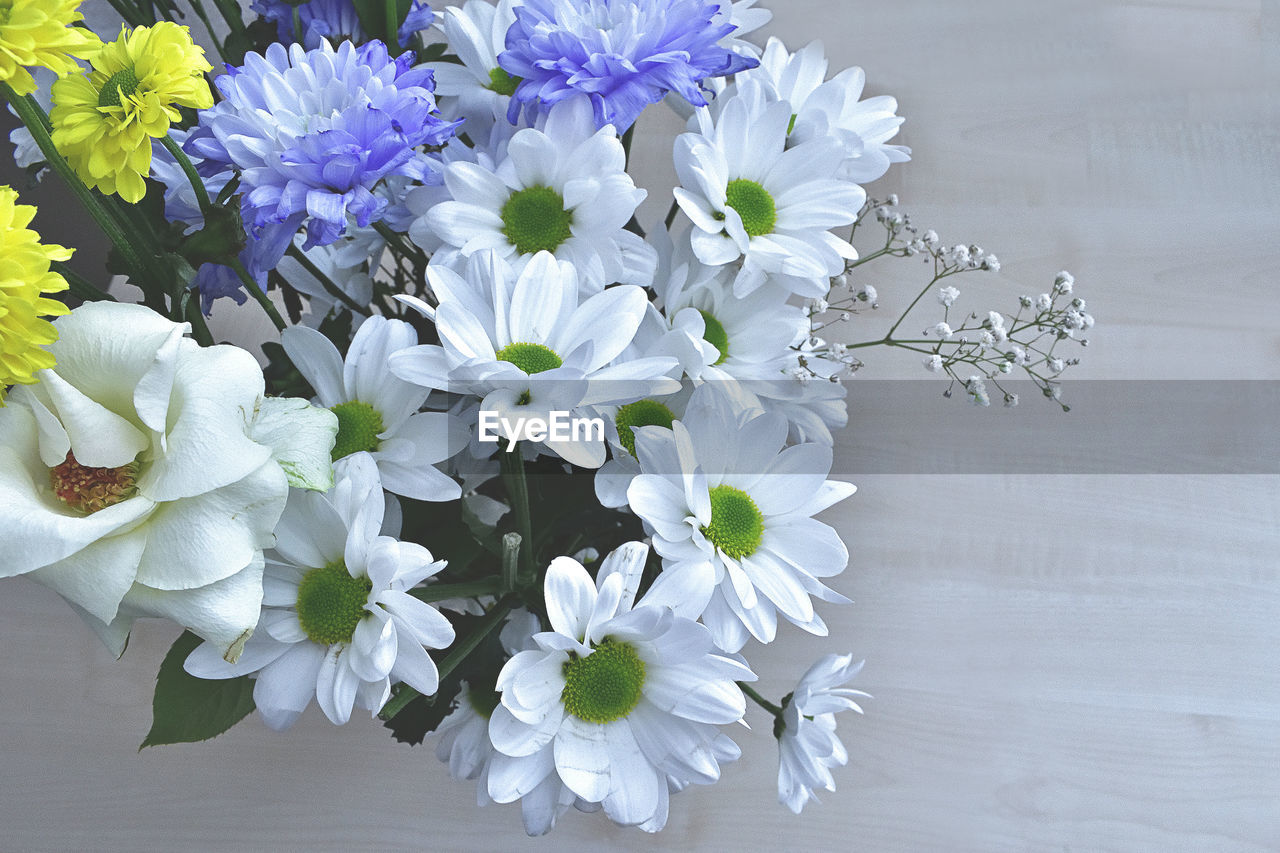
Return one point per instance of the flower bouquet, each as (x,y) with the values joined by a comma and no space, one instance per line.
(521,470)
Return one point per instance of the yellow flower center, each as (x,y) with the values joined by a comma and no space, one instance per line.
(120,85)
(91,489)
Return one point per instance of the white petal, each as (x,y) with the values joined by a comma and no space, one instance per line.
(570,596)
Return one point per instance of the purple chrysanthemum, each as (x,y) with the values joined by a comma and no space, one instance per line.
(624,54)
(312,133)
(334,20)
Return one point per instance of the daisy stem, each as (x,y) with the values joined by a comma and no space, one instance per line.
(129,12)
(198,8)
(513,476)
(461,649)
(760,700)
(671,214)
(256,292)
(33,116)
(325,282)
(202,194)
(445,591)
(510,561)
(230,12)
(393,24)
(626,144)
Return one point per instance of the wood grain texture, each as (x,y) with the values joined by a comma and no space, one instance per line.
(1060,662)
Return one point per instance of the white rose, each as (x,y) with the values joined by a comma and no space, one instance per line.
(144,475)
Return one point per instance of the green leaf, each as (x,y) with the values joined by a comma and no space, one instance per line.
(187,709)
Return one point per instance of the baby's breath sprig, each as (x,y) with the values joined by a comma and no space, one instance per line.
(994,344)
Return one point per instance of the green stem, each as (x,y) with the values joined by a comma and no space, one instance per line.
(510,561)
(460,650)
(913,304)
(256,292)
(393,24)
(131,14)
(626,143)
(325,282)
(80,286)
(514,478)
(33,116)
(445,591)
(760,700)
(198,7)
(199,327)
(671,214)
(184,162)
(230,12)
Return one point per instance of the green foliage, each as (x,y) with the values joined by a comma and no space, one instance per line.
(187,709)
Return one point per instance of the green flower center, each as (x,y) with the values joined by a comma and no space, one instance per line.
(6,7)
(502,82)
(531,358)
(359,426)
(605,685)
(121,83)
(754,205)
(715,335)
(331,604)
(534,220)
(736,522)
(641,413)
(91,489)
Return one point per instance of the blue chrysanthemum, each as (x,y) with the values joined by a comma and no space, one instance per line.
(624,54)
(334,20)
(312,133)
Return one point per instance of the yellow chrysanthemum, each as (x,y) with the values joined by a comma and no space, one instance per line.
(24,276)
(39,33)
(104,123)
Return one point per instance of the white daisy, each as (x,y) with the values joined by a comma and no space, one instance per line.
(832,109)
(616,699)
(478,89)
(807,744)
(562,189)
(752,198)
(338,624)
(378,413)
(498,331)
(464,738)
(731,514)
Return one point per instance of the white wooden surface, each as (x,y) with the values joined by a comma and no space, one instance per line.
(1073,663)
